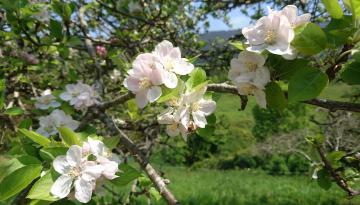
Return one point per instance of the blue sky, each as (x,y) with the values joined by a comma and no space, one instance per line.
(237,19)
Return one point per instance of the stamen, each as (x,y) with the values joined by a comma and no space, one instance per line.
(270,37)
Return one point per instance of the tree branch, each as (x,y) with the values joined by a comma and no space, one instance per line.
(331,105)
(341,182)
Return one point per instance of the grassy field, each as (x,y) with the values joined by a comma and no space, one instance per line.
(244,187)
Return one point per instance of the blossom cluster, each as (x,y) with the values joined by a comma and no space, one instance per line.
(78,171)
(273,33)
(151,70)
(187,113)
(80,95)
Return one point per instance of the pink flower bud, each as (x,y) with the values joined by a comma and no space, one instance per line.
(101,51)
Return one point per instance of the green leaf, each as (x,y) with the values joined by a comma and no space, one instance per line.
(351,73)
(197,77)
(50,153)
(155,193)
(56,29)
(41,140)
(306,84)
(335,157)
(237,44)
(111,142)
(14,111)
(169,94)
(275,98)
(144,181)
(285,69)
(18,180)
(324,179)
(338,31)
(41,189)
(310,39)
(334,8)
(9,165)
(69,137)
(355,8)
(2,93)
(206,131)
(127,175)
(26,124)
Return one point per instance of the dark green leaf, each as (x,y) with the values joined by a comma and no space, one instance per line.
(26,124)
(306,84)
(56,29)
(338,31)
(351,73)
(275,98)
(324,179)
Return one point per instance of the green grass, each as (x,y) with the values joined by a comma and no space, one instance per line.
(243,187)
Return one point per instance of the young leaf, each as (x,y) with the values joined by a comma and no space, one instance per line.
(197,77)
(14,111)
(275,97)
(69,137)
(334,8)
(50,153)
(41,189)
(237,44)
(127,175)
(18,180)
(306,84)
(310,39)
(36,137)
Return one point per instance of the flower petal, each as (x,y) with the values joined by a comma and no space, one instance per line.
(73,155)
(62,186)
(141,99)
(91,171)
(199,119)
(60,165)
(83,190)
(170,79)
(260,97)
(154,93)
(207,106)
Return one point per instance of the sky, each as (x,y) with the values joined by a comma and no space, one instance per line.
(237,19)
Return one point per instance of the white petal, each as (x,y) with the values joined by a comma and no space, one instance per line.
(73,155)
(260,97)
(166,116)
(172,130)
(132,83)
(207,106)
(183,67)
(65,96)
(62,186)
(83,190)
(141,98)
(170,79)
(154,93)
(110,169)
(199,119)
(91,172)
(61,165)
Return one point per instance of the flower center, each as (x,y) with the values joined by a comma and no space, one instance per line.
(195,107)
(248,89)
(270,37)
(74,172)
(145,83)
(173,127)
(251,66)
(168,64)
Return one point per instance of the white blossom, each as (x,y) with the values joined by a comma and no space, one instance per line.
(75,170)
(253,83)
(104,157)
(244,63)
(170,58)
(273,33)
(46,100)
(172,119)
(80,95)
(145,78)
(49,124)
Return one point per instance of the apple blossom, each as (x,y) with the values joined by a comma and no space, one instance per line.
(74,169)
(145,78)
(80,95)
(49,124)
(253,83)
(245,62)
(170,58)
(104,157)
(171,118)
(273,33)
(46,100)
